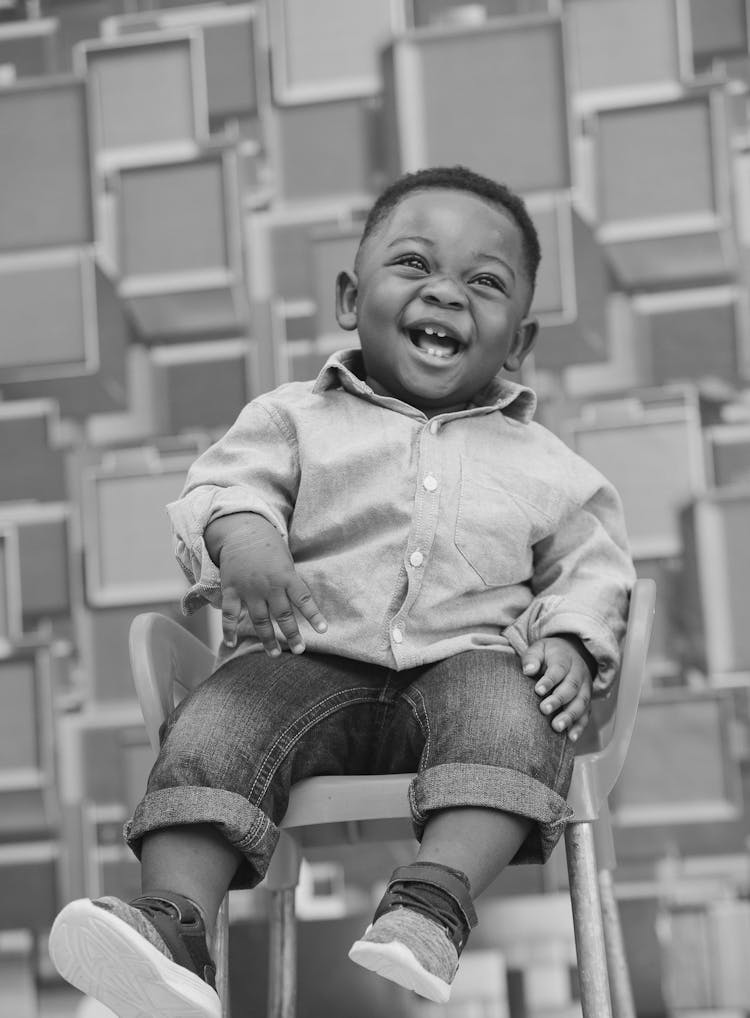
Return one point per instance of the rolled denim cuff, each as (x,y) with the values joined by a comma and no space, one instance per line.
(243,825)
(501,788)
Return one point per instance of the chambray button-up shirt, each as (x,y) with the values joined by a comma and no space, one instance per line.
(418,538)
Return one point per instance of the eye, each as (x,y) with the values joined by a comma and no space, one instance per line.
(487,279)
(413,261)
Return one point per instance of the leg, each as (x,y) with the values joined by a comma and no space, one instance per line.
(490,790)
(220,786)
(195,861)
(479,842)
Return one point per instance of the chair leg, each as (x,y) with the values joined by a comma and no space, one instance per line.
(623,1004)
(587,921)
(282,981)
(221,957)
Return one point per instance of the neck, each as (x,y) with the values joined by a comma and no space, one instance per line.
(427,411)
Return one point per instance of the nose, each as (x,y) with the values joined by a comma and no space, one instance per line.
(444,292)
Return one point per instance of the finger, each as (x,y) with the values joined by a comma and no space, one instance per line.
(577,728)
(231,606)
(302,599)
(572,713)
(552,677)
(533,660)
(263,626)
(281,610)
(562,695)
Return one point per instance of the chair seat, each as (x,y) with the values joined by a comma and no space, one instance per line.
(342,798)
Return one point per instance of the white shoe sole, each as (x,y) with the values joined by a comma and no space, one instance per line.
(106,959)
(396,962)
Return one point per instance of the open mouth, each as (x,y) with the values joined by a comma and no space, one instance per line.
(434,341)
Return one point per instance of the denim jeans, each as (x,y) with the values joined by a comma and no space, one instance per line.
(469,726)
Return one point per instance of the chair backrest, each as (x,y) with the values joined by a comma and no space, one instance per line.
(168,661)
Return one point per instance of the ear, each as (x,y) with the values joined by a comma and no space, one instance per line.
(523,341)
(346,300)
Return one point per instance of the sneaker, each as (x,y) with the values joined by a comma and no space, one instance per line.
(419,930)
(411,950)
(143,959)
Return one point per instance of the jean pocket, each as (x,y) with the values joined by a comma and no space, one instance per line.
(496,530)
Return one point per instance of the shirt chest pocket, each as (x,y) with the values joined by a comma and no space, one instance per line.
(497,529)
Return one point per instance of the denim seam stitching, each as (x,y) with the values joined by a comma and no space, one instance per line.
(315,715)
(419,710)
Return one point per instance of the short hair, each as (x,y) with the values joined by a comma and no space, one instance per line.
(459,178)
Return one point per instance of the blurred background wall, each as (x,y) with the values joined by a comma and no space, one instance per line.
(179,184)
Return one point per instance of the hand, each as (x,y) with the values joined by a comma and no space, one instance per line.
(257,570)
(563,669)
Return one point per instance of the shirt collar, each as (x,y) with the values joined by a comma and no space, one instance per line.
(345,369)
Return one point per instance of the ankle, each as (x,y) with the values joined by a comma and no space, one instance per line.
(439,892)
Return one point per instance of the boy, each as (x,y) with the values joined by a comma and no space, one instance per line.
(464,581)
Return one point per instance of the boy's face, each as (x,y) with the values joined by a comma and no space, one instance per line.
(440,299)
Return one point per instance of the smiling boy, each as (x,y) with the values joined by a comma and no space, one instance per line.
(464,578)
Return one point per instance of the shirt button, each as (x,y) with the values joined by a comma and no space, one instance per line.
(416,558)
(398,636)
(434,427)
(430,482)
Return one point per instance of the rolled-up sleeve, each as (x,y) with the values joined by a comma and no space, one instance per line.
(583,575)
(253,468)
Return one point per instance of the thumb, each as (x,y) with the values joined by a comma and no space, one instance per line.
(533,659)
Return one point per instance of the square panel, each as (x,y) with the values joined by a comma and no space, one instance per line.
(666,216)
(673,174)
(127,537)
(692,335)
(570,299)
(145,93)
(30,46)
(27,745)
(200,386)
(36,561)
(715,592)
(229,45)
(692,731)
(717,30)
(173,218)
(29,885)
(622,48)
(331,252)
(728,448)
(302,140)
(32,466)
(45,170)
(652,451)
(180,246)
(453,76)
(66,332)
(329,49)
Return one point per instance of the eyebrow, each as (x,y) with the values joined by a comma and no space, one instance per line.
(416,236)
(482,255)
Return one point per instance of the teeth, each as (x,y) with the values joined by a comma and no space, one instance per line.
(435,332)
(437,353)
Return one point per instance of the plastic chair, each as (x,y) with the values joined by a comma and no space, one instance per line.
(168,661)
